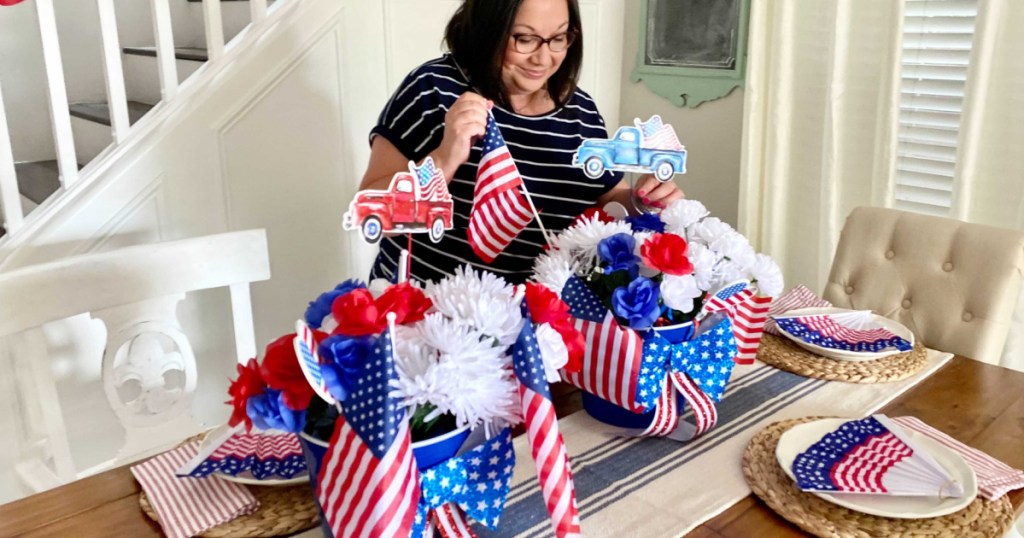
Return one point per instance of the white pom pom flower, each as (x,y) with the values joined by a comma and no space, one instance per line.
(553,269)
(768,276)
(679,292)
(683,214)
(582,237)
(481,300)
(704,262)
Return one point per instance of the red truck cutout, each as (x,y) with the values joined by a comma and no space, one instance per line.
(416,201)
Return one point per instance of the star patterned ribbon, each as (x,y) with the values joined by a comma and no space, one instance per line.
(698,370)
(474,484)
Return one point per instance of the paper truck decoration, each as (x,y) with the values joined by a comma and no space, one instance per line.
(647,147)
(416,201)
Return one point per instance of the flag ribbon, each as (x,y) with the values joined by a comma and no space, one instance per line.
(696,370)
(474,484)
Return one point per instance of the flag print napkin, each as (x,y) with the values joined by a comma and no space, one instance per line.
(188,506)
(798,297)
(995,478)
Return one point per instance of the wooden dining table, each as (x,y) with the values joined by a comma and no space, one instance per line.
(979,404)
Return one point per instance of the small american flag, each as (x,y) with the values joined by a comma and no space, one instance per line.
(309,360)
(657,135)
(798,297)
(263,455)
(369,484)
(613,355)
(431,182)
(854,458)
(825,331)
(500,212)
(546,442)
(748,312)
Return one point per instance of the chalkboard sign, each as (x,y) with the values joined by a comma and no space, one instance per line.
(693,33)
(692,51)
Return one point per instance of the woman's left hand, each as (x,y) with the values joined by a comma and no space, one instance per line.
(654,193)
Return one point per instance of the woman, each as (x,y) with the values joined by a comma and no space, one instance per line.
(518,60)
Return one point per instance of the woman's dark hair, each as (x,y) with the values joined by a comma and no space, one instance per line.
(477,36)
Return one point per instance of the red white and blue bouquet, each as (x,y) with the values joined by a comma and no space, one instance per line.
(667,303)
(407,400)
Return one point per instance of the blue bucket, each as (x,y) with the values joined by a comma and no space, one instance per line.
(428,453)
(611,414)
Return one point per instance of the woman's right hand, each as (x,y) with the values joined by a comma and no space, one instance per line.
(464,124)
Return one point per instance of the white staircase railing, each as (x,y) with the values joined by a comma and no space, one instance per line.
(13,218)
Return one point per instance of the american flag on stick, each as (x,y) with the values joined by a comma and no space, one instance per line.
(500,212)
(658,135)
(546,442)
(369,484)
(748,312)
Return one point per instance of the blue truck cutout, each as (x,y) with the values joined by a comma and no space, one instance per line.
(649,147)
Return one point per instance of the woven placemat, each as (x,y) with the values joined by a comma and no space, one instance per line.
(817,516)
(785,355)
(283,510)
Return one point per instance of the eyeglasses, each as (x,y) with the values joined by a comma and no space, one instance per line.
(530,43)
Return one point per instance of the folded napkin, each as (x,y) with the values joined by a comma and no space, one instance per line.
(189,506)
(995,478)
(798,297)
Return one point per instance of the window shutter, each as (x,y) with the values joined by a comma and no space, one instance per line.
(937,37)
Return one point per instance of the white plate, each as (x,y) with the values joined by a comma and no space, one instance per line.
(799,438)
(246,477)
(895,327)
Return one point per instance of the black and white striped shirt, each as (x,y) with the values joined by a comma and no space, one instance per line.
(542,146)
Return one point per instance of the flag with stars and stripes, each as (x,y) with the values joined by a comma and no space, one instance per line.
(431,182)
(748,312)
(500,211)
(872,455)
(475,483)
(612,354)
(261,455)
(546,442)
(369,483)
(828,331)
(658,135)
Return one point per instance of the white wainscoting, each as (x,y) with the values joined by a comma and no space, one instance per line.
(278,141)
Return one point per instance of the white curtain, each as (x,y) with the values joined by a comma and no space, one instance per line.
(821,123)
(989,184)
(822,98)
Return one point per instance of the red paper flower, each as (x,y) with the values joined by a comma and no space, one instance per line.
(249,383)
(282,372)
(357,314)
(666,253)
(546,307)
(10,2)
(544,304)
(407,302)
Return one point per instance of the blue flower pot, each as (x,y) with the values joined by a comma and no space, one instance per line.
(613,415)
(428,453)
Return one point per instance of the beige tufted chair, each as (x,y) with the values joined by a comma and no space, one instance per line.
(954,284)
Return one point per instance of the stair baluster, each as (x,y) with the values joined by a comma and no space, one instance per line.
(117,97)
(10,199)
(59,114)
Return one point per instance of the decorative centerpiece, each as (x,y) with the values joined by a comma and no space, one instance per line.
(667,304)
(417,391)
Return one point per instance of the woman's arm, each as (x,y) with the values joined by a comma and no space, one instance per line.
(464,123)
(650,191)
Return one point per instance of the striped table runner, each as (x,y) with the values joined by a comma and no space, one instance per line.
(658,487)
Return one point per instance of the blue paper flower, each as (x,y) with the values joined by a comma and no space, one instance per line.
(617,252)
(321,307)
(343,359)
(637,303)
(268,412)
(646,222)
